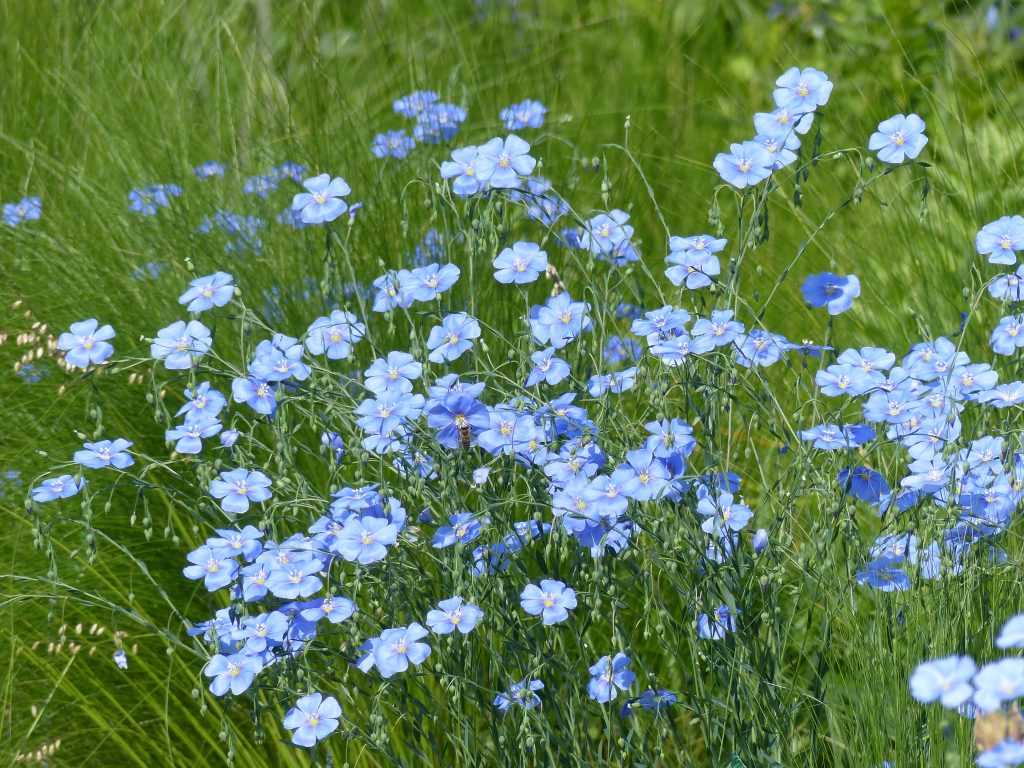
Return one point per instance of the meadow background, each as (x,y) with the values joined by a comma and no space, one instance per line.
(99,97)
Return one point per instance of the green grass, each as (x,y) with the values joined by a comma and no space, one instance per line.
(99,98)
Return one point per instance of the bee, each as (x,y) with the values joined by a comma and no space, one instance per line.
(465,435)
(992,728)
(557,286)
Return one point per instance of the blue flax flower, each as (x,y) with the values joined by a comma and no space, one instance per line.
(397,144)
(312,719)
(522,694)
(836,292)
(26,209)
(86,343)
(236,488)
(398,648)
(608,676)
(744,165)
(454,614)
(181,345)
(447,342)
(525,114)
(522,263)
(233,673)
(322,202)
(209,291)
(552,600)
(1001,239)
(105,453)
(899,138)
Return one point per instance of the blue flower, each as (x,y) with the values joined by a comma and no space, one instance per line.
(209,169)
(105,453)
(462,528)
(245,542)
(1001,239)
(210,291)
(802,90)
(397,648)
(607,236)
(783,123)
(181,345)
(457,416)
(86,344)
(62,487)
(522,263)
(289,170)
(312,719)
(394,374)
(452,614)
(470,170)
(759,348)
(237,487)
(295,579)
(1012,633)
(397,144)
(552,600)
(998,682)
(267,630)
(322,202)
(780,151)
(202,401)
(147,200)
(899,138)
(233,673)
(1008,287)
(365,540)
(719,330)
(1008,336)
(216,566)
(438,122)
(1008,753)
(188,437)
(947,679)
(452,338)
(717,625)
(760,540)
(560,321)
(745,165)
(429,282)
(608,676)
(694,259)
(334,609)
(334,335)
(521,694)
(836,292)
(261,186)
(525,114)
(722,514)
(884,573)
(258,394)
(547,367)
(413,104)
(616,383)
(652,700)
(864,484)
(510,159)
(26,209)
